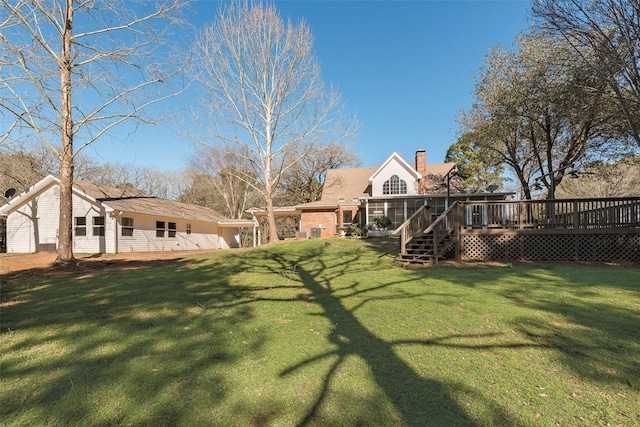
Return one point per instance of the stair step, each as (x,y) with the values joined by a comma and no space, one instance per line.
(420,250)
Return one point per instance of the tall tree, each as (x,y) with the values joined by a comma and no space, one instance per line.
(536,110)
(606,35)
(263,94)
(476,166)
(75,69)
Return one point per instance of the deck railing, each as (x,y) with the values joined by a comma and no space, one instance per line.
(420,223)
(567,214)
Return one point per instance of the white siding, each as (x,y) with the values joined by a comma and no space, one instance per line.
(20,238)
(231,238)
(89,244)
(35,223)
(203,235)
(394,167)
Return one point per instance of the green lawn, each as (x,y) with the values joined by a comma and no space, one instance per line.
(320,333)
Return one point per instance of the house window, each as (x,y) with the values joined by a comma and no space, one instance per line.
(160,229)
(98,226)
(394,185)
(80,225)
(172,229)
(127,227)
(347,218)
(188,228)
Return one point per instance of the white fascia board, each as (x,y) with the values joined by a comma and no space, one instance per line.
(400,160)
(25,196)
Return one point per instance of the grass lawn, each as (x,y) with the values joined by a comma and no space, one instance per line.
(319,333)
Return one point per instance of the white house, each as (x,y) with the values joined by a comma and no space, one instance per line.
(113,220)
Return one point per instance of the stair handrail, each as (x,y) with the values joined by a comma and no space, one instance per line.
(444,226)
(413,226)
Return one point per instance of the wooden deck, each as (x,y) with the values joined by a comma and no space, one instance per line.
(567,229)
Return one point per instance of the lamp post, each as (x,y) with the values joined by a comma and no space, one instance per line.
(452,172)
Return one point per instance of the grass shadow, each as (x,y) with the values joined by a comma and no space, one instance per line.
(120,342)
(298,334)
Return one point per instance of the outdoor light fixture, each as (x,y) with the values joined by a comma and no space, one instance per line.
(573,173)
(537,186)
(452,172)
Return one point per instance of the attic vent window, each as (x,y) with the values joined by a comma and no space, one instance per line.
(341,199)
(394,185)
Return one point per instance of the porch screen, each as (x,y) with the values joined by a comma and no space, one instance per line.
(395,212)
(376,209)
(413,205)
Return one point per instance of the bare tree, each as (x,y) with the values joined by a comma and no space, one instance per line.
(75,70)
(606,34)
(221,181)
(263,94)
(605,179)
(21,167)
(304,181)
(149,180)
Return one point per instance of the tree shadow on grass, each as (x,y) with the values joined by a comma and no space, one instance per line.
(129,343)
(597,341)
(418,401)
(137,342)
(586,313)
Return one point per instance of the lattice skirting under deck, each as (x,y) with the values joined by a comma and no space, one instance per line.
(555,247)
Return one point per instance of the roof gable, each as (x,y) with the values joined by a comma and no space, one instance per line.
(395,157)
(27,194)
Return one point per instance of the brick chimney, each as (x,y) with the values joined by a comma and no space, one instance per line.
(421,167)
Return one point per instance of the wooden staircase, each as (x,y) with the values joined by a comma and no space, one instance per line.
(424,242)
(422,250)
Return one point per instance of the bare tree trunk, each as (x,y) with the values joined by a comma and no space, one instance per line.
(271,216)
(65,236)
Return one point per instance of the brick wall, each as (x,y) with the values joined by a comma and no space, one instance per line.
(421,167)
(324,219)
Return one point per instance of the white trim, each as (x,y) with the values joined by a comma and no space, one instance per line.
(400,160)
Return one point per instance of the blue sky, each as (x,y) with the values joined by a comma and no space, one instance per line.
(404,67)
